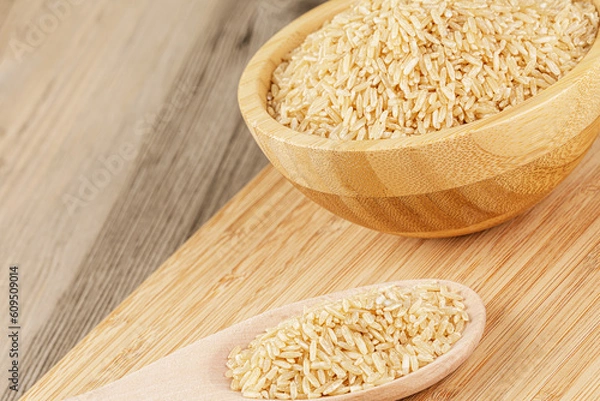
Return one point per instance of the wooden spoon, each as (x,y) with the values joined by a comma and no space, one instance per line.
(197,372)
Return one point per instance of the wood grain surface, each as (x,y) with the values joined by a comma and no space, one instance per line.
(149,88)
(537,275)
(145,87)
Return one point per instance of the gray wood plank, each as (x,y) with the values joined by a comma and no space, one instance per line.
(191,158)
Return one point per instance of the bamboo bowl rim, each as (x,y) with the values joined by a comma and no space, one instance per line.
(253,89)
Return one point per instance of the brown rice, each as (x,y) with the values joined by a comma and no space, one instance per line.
(394,68)
(350,344)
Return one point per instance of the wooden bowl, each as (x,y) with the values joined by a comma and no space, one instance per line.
(452,182)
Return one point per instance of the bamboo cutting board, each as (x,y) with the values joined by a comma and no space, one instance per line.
(538,274)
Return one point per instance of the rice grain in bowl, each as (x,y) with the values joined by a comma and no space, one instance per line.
(393,68)
(447,182)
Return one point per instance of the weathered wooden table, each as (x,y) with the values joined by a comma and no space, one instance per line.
(121,136)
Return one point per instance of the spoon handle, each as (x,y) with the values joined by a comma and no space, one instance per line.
(185,375)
